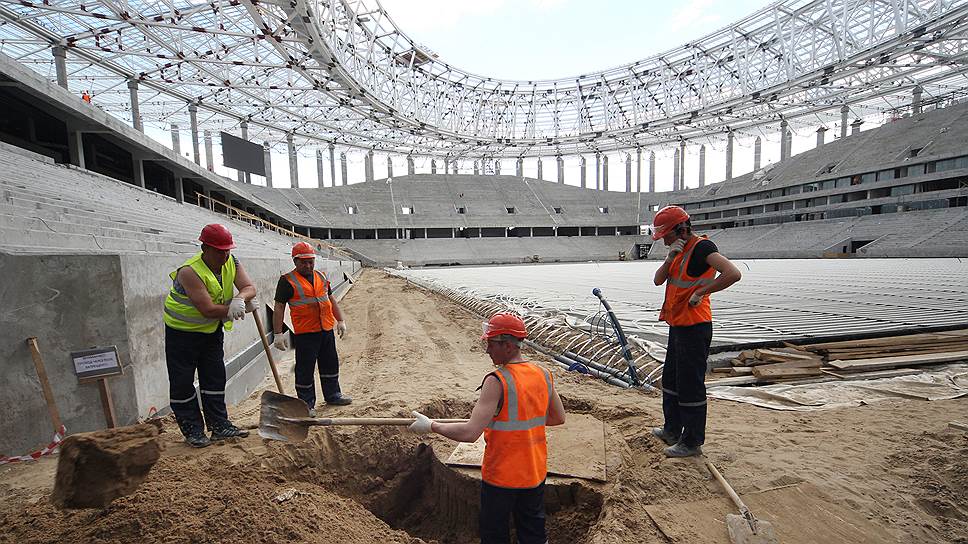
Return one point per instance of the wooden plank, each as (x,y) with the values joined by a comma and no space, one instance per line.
(887,352)
(741,371)
(744,355)
(723,370)
(892,373)
(951,336)
(959,426)
(739,380)
(737,362)
(52,411)
(776,372)
(814,363)
(107,403)
(882,363)
(781,356)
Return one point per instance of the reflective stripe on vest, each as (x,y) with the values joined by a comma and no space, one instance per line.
(310,307)
(516,451)
(676,310)
(181,314)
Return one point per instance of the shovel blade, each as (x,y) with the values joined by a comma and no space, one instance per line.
(276,406)
(740,531)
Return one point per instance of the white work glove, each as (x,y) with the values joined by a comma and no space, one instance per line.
(422,425)
(281,342)
(251,305)
(695,299)
(236,309)
(340,329)
(676,248)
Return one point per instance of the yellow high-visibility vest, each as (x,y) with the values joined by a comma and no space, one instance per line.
(182,315)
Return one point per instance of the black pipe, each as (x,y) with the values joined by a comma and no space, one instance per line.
(621,335)
(571,363)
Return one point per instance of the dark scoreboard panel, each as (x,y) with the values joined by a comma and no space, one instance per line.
(242,155)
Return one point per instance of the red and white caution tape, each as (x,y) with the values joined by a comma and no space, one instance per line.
(33,456)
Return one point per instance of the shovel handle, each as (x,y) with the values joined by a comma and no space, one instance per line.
(729,490)
(330,421)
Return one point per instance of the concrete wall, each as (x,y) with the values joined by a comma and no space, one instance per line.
(74,302)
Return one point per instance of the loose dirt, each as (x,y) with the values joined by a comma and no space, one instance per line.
(894,464)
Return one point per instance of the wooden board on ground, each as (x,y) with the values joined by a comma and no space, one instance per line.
(777,356)
(575,449)
(959,426)
(800,514)
(882,363)
(785,371)
(950,336)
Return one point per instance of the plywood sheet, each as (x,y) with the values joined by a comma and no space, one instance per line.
(800,514)
(575,449)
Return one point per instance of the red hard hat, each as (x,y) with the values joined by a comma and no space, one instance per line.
(217,236)
(504,324)
(302,250)
(667,219)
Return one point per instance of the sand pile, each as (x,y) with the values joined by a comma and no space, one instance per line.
(95,468)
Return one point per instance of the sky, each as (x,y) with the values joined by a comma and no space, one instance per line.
(550,39)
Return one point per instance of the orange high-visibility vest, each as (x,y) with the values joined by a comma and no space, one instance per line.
(516,452)
(676,310)
(310,308)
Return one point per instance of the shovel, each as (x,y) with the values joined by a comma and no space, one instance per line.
(286,418)
(743,527)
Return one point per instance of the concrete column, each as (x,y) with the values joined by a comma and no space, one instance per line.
(598,171)
(332,165)
(729,154)
(789,143)
(209,156)
(638,169)
(540,169)
(584,172)
(702,165)
(519,167)
(446,164)
(193,117)
(784,152)
(844,111)
(682,164)
(267,157)
(675,169)
(651,171)
(855,126)
(561,169)
(320,169)
(477,170)
(454,166)
(821,135)
(757,153)
(179,189)
(175,139)
(138,167)
(370,172)
(245,177)
(410,168)
(342,165)
(60,64)
(628,173)
(916,99)
(293,162)
(389,167)
(135,105)
(604,172)
(75,147)
(433,166)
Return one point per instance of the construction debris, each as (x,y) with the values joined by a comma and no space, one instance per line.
(95,468)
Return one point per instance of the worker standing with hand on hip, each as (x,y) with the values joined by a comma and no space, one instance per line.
(199,306)
(689,274)
(314,314)
(517,402)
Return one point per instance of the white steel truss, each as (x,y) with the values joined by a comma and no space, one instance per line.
(340,71)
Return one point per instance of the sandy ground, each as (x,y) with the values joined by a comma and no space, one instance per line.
(894,465)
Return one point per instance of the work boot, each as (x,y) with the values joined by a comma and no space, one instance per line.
(195,436)
(682,450)
(669,438)
(341,400)
(227,430)
(312,412)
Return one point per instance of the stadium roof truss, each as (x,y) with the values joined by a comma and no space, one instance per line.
(342,72)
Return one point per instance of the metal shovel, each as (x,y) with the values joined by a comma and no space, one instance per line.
(743,527)
(287,418)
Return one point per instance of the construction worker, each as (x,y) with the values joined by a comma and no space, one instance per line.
(314,314)
(85,96)
(517,402)
(689,274)
(200,304)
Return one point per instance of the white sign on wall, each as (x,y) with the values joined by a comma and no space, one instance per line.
(96,362)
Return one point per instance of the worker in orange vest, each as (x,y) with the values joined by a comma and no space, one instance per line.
(517,402)
(86,97)
(689,274)
(314,314)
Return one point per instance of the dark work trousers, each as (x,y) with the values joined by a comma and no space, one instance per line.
(186,352)
(683,382)
(312,349)
(499,504)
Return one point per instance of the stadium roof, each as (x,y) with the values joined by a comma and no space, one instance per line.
(342,72)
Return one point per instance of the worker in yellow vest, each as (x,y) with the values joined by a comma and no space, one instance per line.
(689,274)
(200,304)
(314,314)
(517,402)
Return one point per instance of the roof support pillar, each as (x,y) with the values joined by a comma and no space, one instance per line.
(293,162)
(757,153)
(561,169)
(411,170)
(267,157)
(135,105)
(844,111)
(729,154)
(60,64)
(175,139)
(702,165)
(821,136)
(916,99)
(651,171)
(320,169)
(332,165)
(209,159)
(193,117)
(342,164)
(584,172)
(245,177)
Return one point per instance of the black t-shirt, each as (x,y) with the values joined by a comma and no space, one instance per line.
(284,289)
(697,263)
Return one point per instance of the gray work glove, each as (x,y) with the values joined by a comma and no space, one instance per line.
(422,425)
(340,329)
(281,341)
(236,309)
(676,248)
